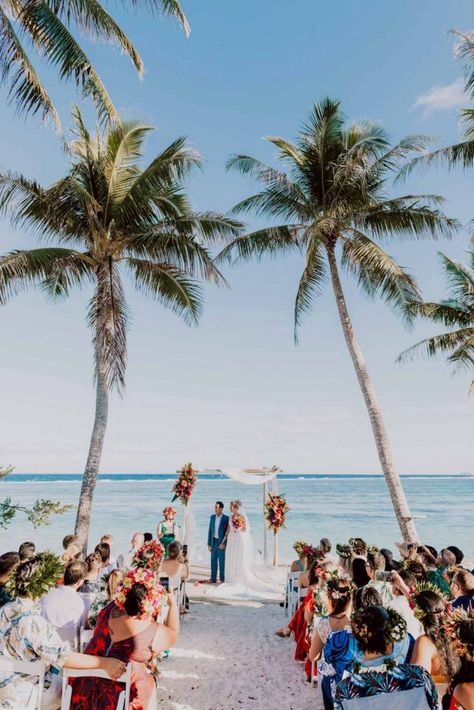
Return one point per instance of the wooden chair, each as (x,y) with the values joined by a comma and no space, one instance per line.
(30,668)
(123,699)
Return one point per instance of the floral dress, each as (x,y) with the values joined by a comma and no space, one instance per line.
(26,636)
(102,694)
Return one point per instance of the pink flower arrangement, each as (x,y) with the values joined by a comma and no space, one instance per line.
(153,602)
(238,522)
(275,512)
(184,486)
(149,556)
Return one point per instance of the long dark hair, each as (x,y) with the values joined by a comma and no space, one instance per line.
(313,576)
(359,572)
(339,592)
(431,608)
(465,674)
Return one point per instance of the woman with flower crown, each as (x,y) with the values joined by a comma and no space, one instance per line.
(127,629)
(167,528)
(376,673)
(460,629)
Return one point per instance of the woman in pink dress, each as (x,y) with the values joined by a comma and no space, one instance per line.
(126,629)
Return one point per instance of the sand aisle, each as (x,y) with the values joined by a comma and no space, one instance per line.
(228,657)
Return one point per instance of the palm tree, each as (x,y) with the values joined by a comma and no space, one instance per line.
(457,313)
(46,25)
(110,217)
(333,206)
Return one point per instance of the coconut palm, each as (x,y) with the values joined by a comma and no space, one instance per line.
(47,26)
(455,313)
(111,218)
(332,205)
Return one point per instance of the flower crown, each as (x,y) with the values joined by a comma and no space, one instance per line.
(344,551)
(334,584)
(169,511)
(394,628)
(155,592)
(149,556)
(414,603)
(358,545)
(449,572)
(452,626)
(299,546)
(48,572)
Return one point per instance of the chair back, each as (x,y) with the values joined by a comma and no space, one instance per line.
(29,668)
(123,699)
(85,635)
(292,592)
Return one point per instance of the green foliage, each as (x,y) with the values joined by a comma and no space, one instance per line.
(49,28)
(112,219)
(38,514)
(331,193)
(45,577)
(456,313)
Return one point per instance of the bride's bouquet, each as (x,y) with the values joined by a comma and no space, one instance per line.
(275,512)
(184,486)
(238,522)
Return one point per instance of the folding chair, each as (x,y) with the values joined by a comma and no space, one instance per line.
(31,668)
(123,699)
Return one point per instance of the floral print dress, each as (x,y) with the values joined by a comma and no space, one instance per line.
(102,694)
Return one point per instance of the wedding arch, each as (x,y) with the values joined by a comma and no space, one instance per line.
(255,477)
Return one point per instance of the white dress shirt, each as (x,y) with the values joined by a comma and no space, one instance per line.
(65,609)
(217,524)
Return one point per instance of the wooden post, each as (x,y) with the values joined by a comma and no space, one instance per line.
(275,548)
(265,532)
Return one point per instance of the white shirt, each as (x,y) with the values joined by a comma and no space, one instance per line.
(217,524)
(65,609)
(124,561)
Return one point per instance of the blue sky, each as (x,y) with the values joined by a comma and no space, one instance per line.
(235,391)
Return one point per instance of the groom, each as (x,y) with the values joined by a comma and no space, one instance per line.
(216,541)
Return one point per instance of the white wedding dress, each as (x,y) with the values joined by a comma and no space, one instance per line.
(240,580)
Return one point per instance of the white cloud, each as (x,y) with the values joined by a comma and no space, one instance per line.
(440,98)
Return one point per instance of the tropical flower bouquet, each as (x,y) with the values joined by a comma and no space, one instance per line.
(275,512)
(238,522)
(184,486)
(155,592)
(169,512)
(149,556)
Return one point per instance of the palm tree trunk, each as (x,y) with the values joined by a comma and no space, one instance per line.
(399,501)
(94,457)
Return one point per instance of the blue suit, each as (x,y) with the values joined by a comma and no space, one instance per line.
(217,555)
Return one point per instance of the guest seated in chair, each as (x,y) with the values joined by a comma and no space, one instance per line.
(460,628)
(376,673)
(25,635)
(127,630)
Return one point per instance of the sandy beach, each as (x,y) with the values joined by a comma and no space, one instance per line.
(228,657)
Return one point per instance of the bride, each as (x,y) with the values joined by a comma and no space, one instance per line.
(240,555)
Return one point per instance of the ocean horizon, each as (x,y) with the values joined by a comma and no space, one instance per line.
(338,506)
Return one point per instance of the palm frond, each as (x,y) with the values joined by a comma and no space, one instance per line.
(171,8)
(287,151)
(378,274)
(25,88)
(271,241)
(170,286)
(311,283)
(53,39)
(464,49)
(21,269)
(412,219)
(439,344)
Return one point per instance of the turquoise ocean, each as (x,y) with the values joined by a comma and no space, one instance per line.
(334,506)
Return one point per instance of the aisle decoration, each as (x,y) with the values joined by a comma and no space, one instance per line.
(155,592)
(238,522)
(184,486)
(149,556)
(276,509)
